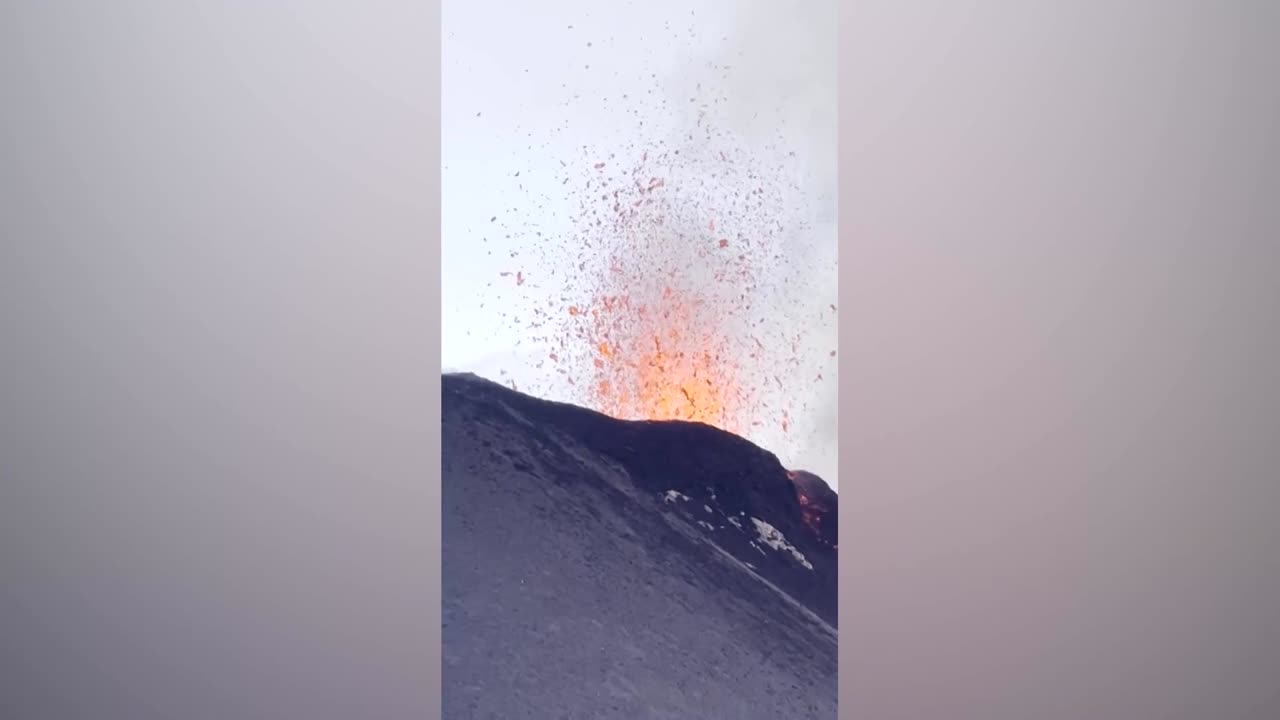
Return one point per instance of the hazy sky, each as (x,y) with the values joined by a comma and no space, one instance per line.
(552,85)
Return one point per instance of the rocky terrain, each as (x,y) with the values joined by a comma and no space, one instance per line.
(596,568)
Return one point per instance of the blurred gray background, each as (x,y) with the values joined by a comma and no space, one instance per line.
(218,342)
(1061,273)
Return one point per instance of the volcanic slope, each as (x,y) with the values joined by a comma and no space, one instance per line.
(595,568)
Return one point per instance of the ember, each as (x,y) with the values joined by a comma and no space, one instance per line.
(655,319)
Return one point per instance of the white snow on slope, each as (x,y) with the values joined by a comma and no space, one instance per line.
(770,536)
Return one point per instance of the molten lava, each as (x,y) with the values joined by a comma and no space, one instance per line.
(652,364)
(817,505)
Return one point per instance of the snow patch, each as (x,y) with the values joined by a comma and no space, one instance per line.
(673,495)
(734,522)
(707,525)
(770,536)
(707,508)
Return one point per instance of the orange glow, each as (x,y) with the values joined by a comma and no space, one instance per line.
(674,295)
(661,360)
(666,324)
(661,369)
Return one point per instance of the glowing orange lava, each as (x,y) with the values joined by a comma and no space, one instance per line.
(652,364)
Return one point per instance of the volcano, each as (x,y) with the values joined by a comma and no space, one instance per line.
(601,568)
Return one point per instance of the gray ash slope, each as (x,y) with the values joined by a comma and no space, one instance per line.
(595,568)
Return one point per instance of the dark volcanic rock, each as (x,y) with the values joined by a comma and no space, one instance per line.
(819,505)
(596,568)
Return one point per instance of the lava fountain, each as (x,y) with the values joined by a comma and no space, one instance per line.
(672,311)
(684,290)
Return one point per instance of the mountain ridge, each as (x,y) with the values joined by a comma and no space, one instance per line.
(780,523)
